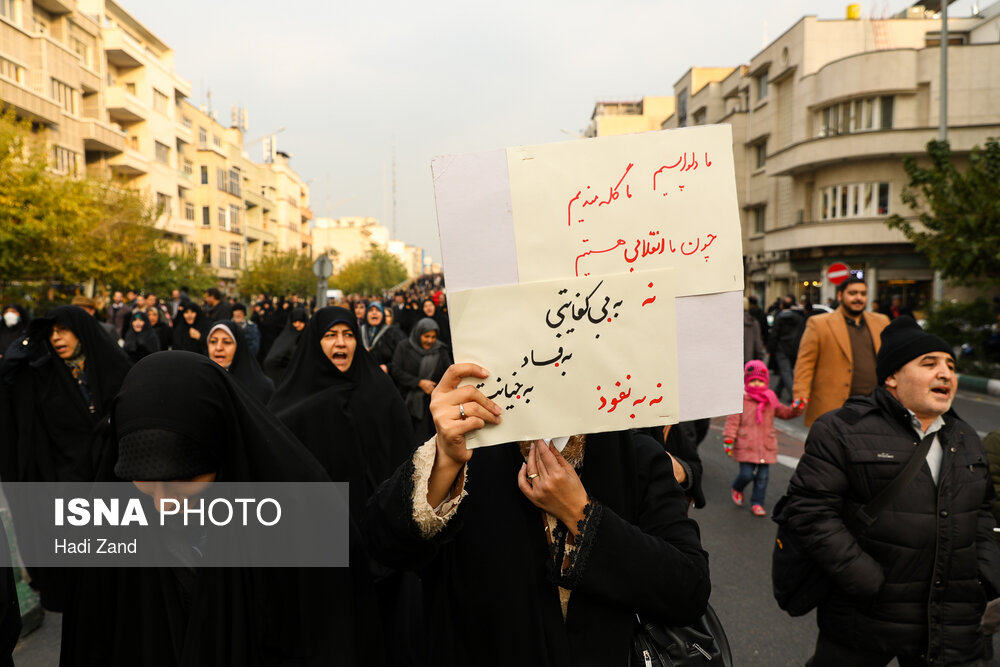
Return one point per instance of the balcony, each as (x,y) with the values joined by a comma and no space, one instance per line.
(253,199)
(832,233)
(123,107)
(814,154)
(102,137)
(130,163)
(122,50)
(57,7)
(29,104)
(184,133)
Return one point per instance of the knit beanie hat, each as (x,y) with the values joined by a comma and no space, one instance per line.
(756,370)
(902,342)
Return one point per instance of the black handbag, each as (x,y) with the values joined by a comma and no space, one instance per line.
(799,583)
(704,642)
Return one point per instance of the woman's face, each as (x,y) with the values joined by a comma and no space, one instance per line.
(427,339)
(137,324)
(64,341)
(190,316)
(177,489)
(359,310)
(338,345)
(375,317)
(221,348)
(429,308)
(154,316)
(298,325)
(388,317)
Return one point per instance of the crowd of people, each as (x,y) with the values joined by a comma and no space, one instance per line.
(528,553)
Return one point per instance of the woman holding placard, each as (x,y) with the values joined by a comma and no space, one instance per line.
(537,553)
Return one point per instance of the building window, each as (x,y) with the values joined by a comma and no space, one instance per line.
(188,167)
(81,49)
(186,122)
(189,211)
(202,137)
(7,9)
(10,70)
(206,254)
(64,96)
(162,153)
(758,219)
(222,218)
(224,256)
(204,175)
(130,88)
(699,117)
(161,102)
(854,200)
(860,115)
(220,178)
(234,182)
(761,85)
(234,218)
(760,154)
(682,108)
(235,255)
(65,161)
(216,141)
(163,204)
(206,216)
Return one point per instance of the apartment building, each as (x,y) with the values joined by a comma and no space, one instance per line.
(821,119)
(53,73)
(347,239)
(291,195)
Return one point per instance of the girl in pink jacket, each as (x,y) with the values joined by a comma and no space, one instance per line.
(750,438)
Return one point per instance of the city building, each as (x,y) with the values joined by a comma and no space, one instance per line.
(347,239)
(626,116)
(822,118)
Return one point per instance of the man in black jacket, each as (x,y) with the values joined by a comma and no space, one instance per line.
(915,584)
(783,344)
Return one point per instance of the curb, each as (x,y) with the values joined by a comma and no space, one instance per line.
(979,385)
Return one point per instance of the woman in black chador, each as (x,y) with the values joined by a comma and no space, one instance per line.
(333,387)
(227,346)
(180,417)
(380,336)
(280,354)
(345,409)
(190,328)
(532,556)
(13,325)
(140,339)
(58,386)
(417,365)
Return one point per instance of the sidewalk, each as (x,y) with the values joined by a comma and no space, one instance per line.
(979,385)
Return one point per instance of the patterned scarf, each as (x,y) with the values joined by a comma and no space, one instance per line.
(76,365)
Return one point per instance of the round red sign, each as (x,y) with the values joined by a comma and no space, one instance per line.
(838,273)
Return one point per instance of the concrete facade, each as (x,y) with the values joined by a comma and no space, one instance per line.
(628,116)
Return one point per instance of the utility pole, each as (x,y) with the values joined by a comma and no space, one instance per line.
(943,130)
(394,186)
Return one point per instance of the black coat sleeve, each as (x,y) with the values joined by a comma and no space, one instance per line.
(667,573)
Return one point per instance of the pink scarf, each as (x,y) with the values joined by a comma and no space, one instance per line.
(764,397)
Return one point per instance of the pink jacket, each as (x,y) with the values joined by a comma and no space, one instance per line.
(753,442)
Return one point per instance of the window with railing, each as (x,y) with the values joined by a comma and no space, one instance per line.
(235,255)
(220,178)
(221,218)
(64,95)
(7,9)
(202,137)
(854,200)
(234,182)
(161,102)
(188,167)
(163,204)
(10,70)
(162,153)
(234,219)
(65,161)
(189,211)
(865,114)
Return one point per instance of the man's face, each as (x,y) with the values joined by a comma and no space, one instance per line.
(239,316)
(854,298)
(926,385)
(176,294)
(117,297)
(209,299)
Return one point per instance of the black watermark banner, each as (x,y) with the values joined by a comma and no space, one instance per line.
(181,524)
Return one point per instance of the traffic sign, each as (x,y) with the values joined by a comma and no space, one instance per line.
(323,267)
(838,273)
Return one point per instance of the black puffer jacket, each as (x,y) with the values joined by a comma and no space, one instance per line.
(917,582)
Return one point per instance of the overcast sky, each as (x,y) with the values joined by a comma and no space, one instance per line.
(446,76)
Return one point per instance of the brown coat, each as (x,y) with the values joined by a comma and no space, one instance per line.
(825,366)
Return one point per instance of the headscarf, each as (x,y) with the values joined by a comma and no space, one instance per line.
(140,344)
(353,421)
(178,412)
(244,367)
(370,333)
(281,352)
(182,339)
(757,370)
(429,360)
(10,334)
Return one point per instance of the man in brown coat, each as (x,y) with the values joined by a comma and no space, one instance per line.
(837,352)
